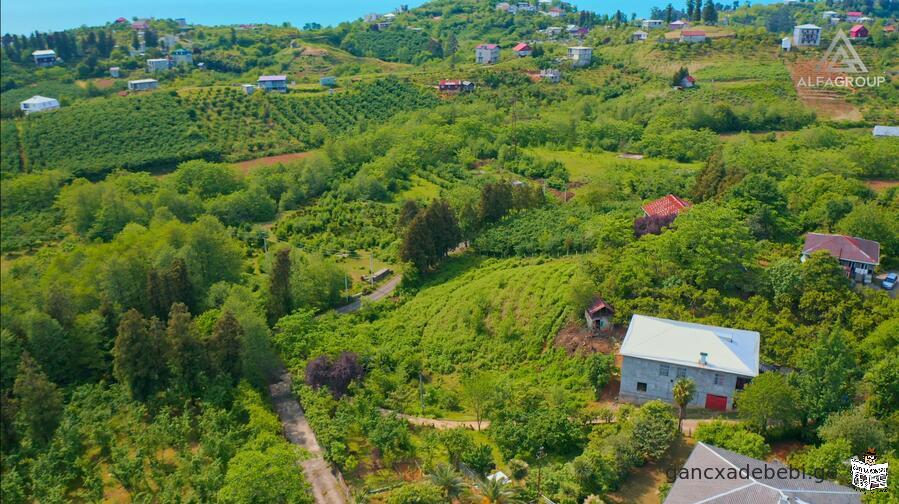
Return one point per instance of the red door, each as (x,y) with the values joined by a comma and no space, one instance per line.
(715,402)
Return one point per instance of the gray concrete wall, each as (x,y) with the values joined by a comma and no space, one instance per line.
(635,370)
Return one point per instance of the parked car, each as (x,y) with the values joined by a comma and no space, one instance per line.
(890,281)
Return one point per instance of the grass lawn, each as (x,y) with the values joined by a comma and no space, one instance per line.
(358,264)
(420,190)
(591,166)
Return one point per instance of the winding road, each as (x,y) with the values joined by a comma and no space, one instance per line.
(379,293)
(326,489)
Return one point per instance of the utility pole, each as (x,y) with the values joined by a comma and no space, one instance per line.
(371,267)
(346,286)
(421,394)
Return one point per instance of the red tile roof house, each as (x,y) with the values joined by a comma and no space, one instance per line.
(853,16)
(858,31)
(599,315)
(522,50)
(454,86)
(486,54)
(858,256)
(140,25)
(667,205)
(889,29)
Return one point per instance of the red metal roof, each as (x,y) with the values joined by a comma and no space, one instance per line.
(598,305)
(858,30)
(692,33)
(522,47)
(664,206)
(848,248)
(890,28)
(488,46)
(854,13)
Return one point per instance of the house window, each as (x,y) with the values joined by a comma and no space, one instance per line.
(719,380)
(641,387)
(663,369)
(681,372)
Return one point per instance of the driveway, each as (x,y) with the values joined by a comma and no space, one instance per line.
(325,487)
(379,293)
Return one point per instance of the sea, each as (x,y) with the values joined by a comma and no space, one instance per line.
(26,16)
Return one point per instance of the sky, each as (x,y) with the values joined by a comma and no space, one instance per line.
(25,16)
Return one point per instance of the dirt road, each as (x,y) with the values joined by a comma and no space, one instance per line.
(325,487)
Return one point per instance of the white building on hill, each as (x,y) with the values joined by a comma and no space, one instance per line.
(38,103)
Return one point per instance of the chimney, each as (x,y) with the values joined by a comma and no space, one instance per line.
(703,358)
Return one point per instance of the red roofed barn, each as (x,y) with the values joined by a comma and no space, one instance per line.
(857,255)
(665,206)
(858,31)
(599,315)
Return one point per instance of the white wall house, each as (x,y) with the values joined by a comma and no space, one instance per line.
(115,72)
(786,44)
(157,64)
(143,84)
(38,103)
(649,24)
(807,35)
(486,54)
(692,36)
(639,36)
(44,57)
(580,55)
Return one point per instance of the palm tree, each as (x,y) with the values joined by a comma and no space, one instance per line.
(448,480)
(683,391)
(495,491)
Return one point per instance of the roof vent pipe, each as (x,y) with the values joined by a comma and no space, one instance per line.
(703,358)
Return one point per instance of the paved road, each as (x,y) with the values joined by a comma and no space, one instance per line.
(379,293)
(325,487)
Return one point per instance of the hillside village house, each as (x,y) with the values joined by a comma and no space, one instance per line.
(114,72)
(526,7)
(665,206)
(248,89)
(551,75)
(687,82)
(38,103)
(44,57)
(599,315)
(181,22)
(677,25)
(639,36)
(857,256)
(504,6)
(889,29)
(807,35)
(649,24)
(272,83)
(858,32)
(748,487)
(555,12)
(828,14)
(885,131)
(553,31)
(140,25)
(853,16)
(182,57)
(523,49)
(455,86)
(580,55)
(143,84)
(786,44)
(692,36)
(157,64)
(327,81)
(486,54)
(658,351)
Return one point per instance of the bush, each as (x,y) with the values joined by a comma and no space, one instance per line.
(732,437)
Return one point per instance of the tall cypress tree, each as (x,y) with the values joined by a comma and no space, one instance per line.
(138,354)
(185,355)
(279,302)
(697,11)
(225,346)
(39,400)
(177,280)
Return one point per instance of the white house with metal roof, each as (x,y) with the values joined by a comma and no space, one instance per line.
(658,351)
(39,103)
(886,131)
(44,57)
